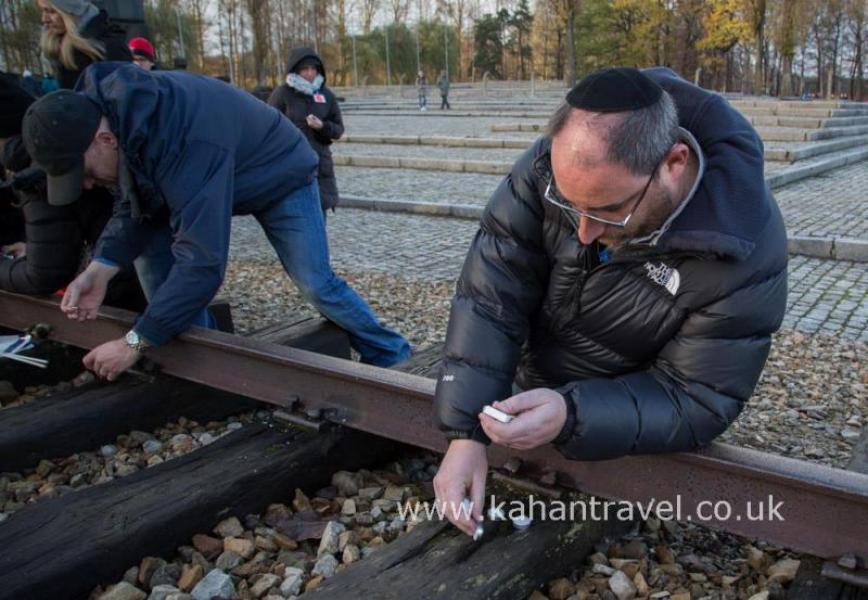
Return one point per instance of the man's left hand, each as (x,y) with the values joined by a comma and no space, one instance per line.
(539,414)
(111,359)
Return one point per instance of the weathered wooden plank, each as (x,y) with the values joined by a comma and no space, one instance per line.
(62,548)
(79,420)
(87,418)
(435,560)
(315,334)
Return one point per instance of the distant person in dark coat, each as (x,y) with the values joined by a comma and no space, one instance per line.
(313,108)
(422,89)
(75,34)
(443,84)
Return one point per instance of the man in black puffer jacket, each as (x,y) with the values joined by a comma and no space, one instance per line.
(625,281)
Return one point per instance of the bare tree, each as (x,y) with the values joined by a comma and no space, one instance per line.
(369,11)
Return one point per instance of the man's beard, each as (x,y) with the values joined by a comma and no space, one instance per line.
(658,210)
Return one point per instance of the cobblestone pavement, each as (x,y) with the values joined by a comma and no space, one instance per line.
(829,297)
(830,205)
(433,152)
(825,296)
(417,186)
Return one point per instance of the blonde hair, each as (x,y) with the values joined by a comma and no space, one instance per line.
(61,47)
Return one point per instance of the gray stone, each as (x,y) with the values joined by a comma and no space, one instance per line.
(293,579)
(131,575)
(123,591)
(228,560)
(621,586)
(167,574)
(325,566)
(346,483)
(108,450)
(230,527)
(152,446)
(351,554)
(215,585)
(162,592)
(330,542)
(370,493)
(263,583)
(395,493)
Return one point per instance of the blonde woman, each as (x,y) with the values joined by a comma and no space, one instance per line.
(75,33)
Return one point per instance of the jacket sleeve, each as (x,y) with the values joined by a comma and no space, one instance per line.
(694,390)
(198,187)
(277,99)
(500,288)
(122,239)
(54,247)
(333,125)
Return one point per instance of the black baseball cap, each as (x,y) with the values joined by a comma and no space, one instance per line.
(57,130)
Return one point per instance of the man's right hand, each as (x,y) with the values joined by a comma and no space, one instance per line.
(16,250)
(85,294)
(462,475)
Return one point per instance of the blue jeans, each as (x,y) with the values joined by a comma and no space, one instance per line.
(153,266)
(296,229)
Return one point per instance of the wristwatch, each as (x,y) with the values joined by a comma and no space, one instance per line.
(135,341)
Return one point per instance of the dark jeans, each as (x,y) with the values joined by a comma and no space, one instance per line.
(444,101)
(296,230)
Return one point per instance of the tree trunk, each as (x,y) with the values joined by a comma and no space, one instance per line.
(759,40)
(571,46)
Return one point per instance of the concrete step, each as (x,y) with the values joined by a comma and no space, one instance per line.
(819,113)
(807,104)
(806,122)
(814,149)
(452,142)
(780,177)
(423,164)
(791,134)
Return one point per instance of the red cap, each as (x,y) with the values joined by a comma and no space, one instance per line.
(142,47)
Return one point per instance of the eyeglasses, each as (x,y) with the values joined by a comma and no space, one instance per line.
(551,195)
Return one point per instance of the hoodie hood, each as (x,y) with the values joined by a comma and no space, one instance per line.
(296,55)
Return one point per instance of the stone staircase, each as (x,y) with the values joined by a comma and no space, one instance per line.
(801,138)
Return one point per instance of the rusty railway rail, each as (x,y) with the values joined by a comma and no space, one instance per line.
(824,510)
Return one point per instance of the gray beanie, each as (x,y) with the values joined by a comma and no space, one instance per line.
(77,8)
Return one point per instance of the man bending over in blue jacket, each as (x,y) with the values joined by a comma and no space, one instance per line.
(185,153)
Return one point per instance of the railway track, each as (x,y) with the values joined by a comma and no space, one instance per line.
(823,511)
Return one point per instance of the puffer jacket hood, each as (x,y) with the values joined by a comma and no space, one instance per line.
(296,55)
